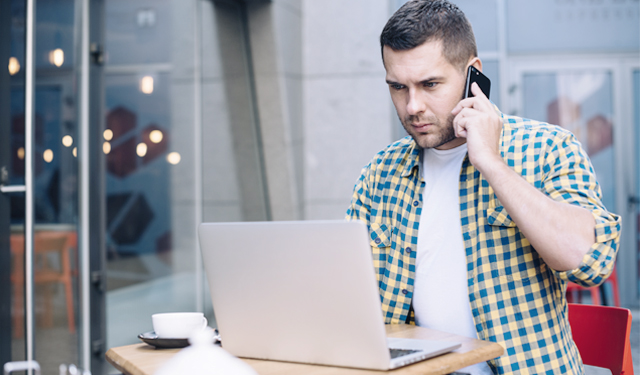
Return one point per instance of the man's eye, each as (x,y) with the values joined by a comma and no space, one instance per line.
(430,84)
(396,86)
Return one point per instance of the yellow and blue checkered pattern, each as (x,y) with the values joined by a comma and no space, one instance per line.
(515,298)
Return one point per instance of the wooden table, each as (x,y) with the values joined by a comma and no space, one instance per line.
(142,359)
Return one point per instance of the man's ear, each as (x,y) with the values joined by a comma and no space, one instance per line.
(476,62)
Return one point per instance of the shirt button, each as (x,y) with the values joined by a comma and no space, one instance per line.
(404,291)
(377,241)
(409,250)
(416,203)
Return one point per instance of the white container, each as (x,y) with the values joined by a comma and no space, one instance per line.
(204,358)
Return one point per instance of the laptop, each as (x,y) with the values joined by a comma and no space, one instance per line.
(302,291)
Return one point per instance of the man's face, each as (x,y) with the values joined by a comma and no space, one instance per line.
(424,88)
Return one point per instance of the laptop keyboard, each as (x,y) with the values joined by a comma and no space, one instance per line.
(395,353)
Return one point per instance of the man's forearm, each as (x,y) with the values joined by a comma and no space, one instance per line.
(561,233)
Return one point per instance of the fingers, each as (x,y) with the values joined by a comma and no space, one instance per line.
(475,110)
(477,91)
(460,131)
(468,116)
(461,121)
(479,101)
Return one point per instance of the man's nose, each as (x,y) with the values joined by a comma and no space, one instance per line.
(415,104)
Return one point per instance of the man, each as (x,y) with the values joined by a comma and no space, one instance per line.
(479,219)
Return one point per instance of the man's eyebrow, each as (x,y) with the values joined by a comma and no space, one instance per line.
(431,79)
(426,80)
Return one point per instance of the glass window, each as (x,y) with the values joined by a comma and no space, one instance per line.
(483,15)
(55,34)
(156,152)
(580,101)
(137,142)
(573,26)
(491,68)
(139,32)
(149,113)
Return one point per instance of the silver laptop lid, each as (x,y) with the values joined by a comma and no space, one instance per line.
(296,291)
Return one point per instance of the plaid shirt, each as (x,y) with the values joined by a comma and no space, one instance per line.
(515,298)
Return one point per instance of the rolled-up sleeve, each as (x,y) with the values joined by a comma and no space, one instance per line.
(569,177)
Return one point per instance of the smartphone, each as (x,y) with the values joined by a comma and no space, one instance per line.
(474,75)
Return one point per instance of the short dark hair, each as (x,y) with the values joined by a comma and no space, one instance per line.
(420,21)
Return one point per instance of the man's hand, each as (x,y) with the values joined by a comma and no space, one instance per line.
(477,120)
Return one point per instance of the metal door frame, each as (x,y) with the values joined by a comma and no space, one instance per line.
(91,171)
(5,131)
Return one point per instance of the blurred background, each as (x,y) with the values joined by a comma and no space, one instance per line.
(229,110)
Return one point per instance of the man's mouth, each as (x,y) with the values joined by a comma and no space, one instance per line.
(421,126)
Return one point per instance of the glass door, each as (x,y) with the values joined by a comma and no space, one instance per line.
(41,308)
(143,125)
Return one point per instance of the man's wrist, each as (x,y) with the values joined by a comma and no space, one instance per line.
(489,165)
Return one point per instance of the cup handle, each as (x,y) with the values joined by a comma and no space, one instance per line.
(205,322)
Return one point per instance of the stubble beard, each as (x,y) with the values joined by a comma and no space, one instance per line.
(441,135)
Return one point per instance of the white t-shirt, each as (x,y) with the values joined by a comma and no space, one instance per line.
(441,297)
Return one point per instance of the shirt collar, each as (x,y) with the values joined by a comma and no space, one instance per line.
(413,158)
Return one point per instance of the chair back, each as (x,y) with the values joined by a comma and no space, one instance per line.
(601,334)
(44,243)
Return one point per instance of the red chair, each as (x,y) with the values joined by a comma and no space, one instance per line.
(574,290)
(601,334)
(46,244)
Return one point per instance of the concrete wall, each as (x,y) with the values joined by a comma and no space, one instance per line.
(275,53)
(335,108)
(309,84)
(324,108)
(348,114)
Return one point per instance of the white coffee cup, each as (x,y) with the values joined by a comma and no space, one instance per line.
(178,325)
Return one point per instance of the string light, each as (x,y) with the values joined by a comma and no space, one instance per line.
(146,84)
(47,155)
(108,134)
(156,136)
(67,141)
(56,57)
(173,158)
(14,65)
(141,150)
